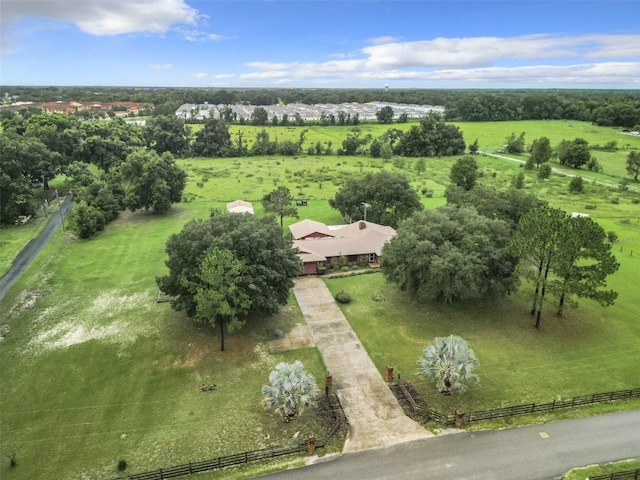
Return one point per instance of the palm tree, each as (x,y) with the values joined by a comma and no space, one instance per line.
(292,388)
(450,360)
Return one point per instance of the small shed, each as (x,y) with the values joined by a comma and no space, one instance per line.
(240,206)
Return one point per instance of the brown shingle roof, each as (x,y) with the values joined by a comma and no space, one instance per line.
(359,238)
(307,227)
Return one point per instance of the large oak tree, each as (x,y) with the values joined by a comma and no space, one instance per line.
(151,181)
(268,264)
(388,198)
(451,254)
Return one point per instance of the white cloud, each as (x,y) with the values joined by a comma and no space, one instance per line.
(156,66)
(219,76)
(194,35)
(383,40)
(592,73)
(522,59)
(483,51)
(105,17)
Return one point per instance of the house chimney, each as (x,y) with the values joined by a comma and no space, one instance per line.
(363,225)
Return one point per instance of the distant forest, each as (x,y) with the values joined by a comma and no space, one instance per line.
(619,108)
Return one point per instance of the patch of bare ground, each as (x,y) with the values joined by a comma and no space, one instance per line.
(107,317)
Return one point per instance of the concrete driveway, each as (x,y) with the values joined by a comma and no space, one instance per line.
(375,417)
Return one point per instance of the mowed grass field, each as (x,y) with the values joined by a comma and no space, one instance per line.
(94,370)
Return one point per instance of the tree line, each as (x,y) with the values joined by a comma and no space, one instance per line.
(133,167)
(618,108)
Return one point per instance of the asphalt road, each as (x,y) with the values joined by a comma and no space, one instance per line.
(537,452)
(31,249)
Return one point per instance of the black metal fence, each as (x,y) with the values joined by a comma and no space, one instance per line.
(629,474)
(247,457)
(511,411)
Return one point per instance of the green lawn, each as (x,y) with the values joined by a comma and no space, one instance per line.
(94,370)
(606,469)
(568,356)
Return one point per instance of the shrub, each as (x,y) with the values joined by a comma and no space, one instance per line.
(122,465)
(576,185)
(635,200)
(343,297)
(615,200)
(12,458)
(590,206)
(345,268)
(544,171)
(322,269)
(612,236)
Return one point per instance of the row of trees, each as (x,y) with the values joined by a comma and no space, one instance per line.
(433,137)
(136,164)
(603,107)
(472,247)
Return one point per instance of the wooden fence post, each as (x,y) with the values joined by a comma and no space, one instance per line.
(311,442)
(389,377)
(459,418)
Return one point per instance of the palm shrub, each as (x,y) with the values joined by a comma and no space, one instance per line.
(292,388)
(450,361)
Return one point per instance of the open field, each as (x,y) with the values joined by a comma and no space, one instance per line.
(94,370)
(492,136)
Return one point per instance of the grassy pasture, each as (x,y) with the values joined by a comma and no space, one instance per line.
(93,370)
(492,136)
(568,356)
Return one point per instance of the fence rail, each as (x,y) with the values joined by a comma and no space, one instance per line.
(245,457)
(629,474)
(511,411)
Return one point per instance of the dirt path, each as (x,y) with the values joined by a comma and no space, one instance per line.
(556,170)
(375,417)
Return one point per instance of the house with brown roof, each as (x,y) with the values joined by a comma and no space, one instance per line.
(356,243)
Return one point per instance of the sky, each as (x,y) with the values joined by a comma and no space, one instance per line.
(321,44)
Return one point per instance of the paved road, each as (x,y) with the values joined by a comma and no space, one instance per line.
(537,452)
(31,249)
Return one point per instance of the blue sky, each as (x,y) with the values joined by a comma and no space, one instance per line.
(316,43)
